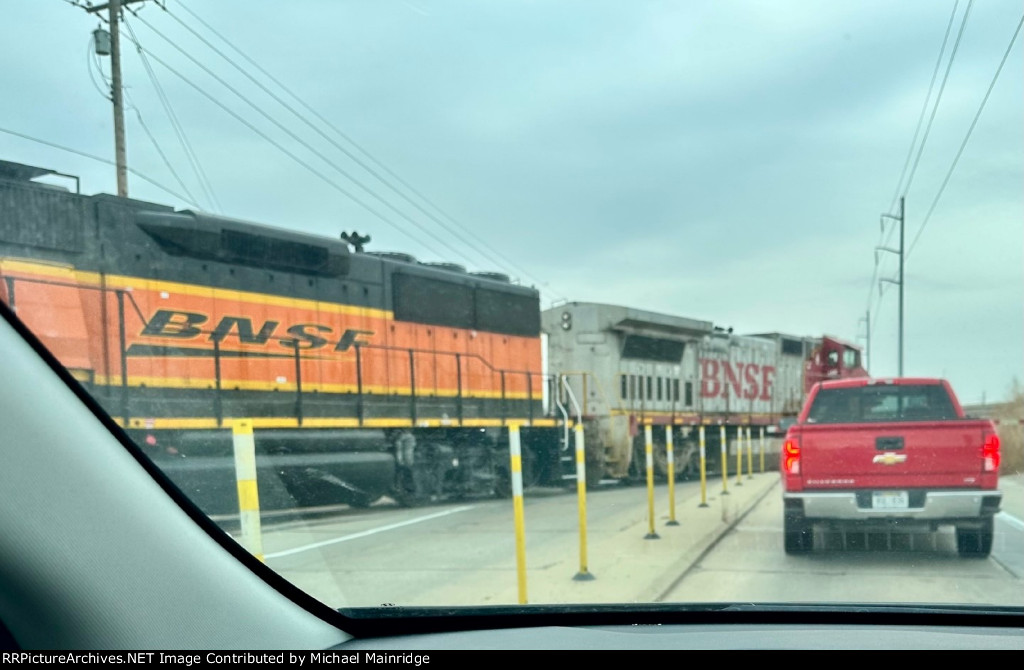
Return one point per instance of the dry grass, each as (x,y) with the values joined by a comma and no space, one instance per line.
(1011,433)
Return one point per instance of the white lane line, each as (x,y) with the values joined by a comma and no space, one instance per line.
(365,533)
(1012,520)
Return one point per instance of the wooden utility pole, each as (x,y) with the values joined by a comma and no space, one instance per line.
(116,94)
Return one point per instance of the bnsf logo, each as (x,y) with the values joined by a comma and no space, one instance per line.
(747,380)
(186,325)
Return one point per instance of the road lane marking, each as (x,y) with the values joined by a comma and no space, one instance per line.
(366,533)
(1011,519)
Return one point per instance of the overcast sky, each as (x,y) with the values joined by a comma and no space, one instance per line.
(725,160)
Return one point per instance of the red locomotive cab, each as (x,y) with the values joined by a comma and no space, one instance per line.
(832,359)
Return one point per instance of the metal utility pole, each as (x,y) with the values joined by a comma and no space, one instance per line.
(867,337)
(120,154)
(901,218)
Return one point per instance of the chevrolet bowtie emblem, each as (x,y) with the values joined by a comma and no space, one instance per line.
(889,458)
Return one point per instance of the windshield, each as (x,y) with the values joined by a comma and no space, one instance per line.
(881,403)
(460,304)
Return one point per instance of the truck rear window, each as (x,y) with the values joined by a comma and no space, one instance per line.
(868,404)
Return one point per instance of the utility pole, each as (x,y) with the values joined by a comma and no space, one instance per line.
(901,218)
(867,337)
(116,95)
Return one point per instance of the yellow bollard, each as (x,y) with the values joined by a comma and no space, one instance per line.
(760,449)
(739,455)
(725,462)
(670,449)
(581,494)
(248,492)
(750,456)
(703,473)
(649,450)
(516,460)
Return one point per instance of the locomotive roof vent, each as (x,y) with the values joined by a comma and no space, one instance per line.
(207,237)
(450,267)
(493,276)
(394,256)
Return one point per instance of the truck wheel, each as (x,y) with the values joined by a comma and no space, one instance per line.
(975,542)
(797,534)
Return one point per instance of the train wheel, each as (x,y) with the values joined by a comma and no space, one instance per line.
(594,469)
(637,472)
(688,465)
(685,459)
(411,487)
(422,482)
(530,473)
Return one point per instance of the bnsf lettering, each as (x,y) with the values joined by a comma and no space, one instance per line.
(244,328)
(303,339)
(183,325)
(745,380)
(352,337)
(168,323)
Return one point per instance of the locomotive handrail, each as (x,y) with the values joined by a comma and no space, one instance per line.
(572,397)
(583,374)
(122,292)
(565,423)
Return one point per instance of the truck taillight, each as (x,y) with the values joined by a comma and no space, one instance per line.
(990,452)
(791,457)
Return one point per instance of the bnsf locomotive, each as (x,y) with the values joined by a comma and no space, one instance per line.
(364,374)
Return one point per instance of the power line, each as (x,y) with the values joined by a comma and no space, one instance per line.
(348,139)
(179,130)
(101,160)
(303,119)
(90,61)
(156,145)
(924,138)
(924,108)
(963,144)
(288,153)
(938,97)
(296,138)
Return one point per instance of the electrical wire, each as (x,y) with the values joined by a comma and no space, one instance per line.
(920,149)
(967,137)
(90,61)
(298,139)
(101,160)
(348,139)
(938,97)
(179,130)
(156,145)
(290,154)
(924,107)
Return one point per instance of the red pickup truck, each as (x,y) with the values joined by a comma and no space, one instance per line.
(889,455)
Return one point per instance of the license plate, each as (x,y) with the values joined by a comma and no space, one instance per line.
(890,500)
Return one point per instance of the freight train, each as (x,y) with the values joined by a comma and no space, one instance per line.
(365,374)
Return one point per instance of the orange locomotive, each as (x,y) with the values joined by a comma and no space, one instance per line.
(364,374)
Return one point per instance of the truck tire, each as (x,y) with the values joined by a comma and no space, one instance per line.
(972,542)
(797,535)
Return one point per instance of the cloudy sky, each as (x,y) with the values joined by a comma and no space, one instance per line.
(721,160)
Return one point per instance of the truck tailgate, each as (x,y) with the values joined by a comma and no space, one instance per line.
(893,454)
